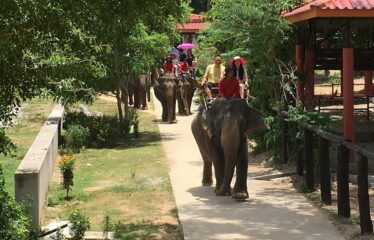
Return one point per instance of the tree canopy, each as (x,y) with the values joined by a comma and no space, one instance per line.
(72,50)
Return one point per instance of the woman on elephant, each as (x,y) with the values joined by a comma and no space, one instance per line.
(229,85)
(240,74)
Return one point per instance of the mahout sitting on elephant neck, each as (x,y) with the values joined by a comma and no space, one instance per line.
(221,135)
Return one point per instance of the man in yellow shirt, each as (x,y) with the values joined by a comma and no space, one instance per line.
(213,74)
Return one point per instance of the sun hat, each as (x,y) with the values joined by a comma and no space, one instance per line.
(236,58)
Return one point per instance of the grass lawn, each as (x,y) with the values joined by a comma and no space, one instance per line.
(130,183)
(32,117)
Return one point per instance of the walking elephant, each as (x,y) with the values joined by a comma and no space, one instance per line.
(221,134)
(186,88)
(165,89)
(138,91)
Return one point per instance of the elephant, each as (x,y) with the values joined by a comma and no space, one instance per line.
(138,91)
(165,89)
(186,88)
(221,135)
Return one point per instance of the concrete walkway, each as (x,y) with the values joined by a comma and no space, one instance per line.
(270,212)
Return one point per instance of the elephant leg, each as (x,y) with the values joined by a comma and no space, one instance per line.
(240,188)
(180,106)
(164,111)
(149,93)
(230,141)
(143,99)
(136,99)
(131,93)
(219,170)
(185,105)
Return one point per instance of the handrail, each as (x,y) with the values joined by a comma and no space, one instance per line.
(331,137)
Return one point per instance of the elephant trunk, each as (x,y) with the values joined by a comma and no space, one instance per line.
(230,142)
(170,103)
(184,95)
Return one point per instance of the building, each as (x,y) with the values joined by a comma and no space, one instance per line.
(189,30)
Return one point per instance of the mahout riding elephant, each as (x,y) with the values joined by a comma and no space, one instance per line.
(138,91)
(221,134)
(165,89)
(186,88)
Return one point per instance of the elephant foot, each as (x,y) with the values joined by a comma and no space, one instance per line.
(222,192)
(173,121)
(240,195)
(207,182)
(144,108)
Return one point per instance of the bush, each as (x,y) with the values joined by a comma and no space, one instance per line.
(79,225)
(76,137)
(66,165)
(14,223)
(105,130)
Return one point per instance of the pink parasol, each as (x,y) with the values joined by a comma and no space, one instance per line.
(186,46)
(242,60)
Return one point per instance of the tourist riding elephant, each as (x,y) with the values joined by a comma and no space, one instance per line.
(186,88)
(221,134)
(139,90)
(166,92)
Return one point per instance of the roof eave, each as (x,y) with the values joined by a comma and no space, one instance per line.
(330,13)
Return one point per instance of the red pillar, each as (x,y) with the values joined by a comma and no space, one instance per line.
(299,56)
(309,78)
(348,117)
(368,82)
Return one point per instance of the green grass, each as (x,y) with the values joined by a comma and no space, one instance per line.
(33,115)
(129,182)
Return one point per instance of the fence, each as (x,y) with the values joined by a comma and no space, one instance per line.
(35,170)
(306,160)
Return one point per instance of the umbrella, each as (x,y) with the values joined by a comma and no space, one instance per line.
(242,60)
(186,46)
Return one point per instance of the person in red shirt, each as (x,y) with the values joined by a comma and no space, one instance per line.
(168,65)
(229,85)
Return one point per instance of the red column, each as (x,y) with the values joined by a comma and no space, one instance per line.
(368,82)
(348,117)
(299,56)
(309,78)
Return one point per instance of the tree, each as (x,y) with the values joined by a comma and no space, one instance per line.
(72,50)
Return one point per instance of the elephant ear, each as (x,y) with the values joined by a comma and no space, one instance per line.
(194,83)
(255,120)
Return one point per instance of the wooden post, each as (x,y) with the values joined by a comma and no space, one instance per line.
(344,209)
(363,195)
(368,82)
(284,141)
(324,163)
(309,163)
(300,158)
(348,68)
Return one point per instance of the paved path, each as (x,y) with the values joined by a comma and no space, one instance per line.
(270,212)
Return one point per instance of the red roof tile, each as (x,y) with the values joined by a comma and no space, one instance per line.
(332,5)
(191,27)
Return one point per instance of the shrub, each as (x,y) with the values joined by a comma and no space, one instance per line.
(66,165)
(107,226)
(76,137)
(14,223)
(79,225)
(103,130)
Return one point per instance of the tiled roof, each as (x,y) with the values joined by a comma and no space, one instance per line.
(194,24)
(332,5)
(191,27)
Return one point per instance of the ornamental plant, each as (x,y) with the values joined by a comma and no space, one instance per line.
(66,165)
(79,225)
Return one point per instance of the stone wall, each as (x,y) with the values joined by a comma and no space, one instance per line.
(34,172)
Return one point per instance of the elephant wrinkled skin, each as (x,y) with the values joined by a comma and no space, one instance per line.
(166,92)
(221,134)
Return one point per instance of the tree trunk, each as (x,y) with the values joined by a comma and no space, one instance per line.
(119,105)
(125,93)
